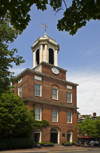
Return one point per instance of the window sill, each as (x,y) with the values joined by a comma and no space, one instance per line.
(54,99)
(37,96)
(69,102)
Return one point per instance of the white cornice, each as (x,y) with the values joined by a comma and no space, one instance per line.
(49,103)
(42,74)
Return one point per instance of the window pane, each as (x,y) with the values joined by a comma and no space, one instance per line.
(37,114)
(54,113)
(69,117)
(54,94)
(37,89)
(37,86)
(54,116)
(69,97)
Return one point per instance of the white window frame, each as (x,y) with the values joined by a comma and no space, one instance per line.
(54,116)
(40,90)
(53,94)
(20,91)
(69,87)
(38,78)
(40,116)
(69,117)
(70,97)
(19,80)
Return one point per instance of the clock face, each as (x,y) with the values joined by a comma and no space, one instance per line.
(55,70)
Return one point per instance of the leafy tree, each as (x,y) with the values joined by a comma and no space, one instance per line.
(7,34)
(74,17)
(91,127)
(14,115)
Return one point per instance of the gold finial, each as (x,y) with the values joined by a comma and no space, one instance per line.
(45,27)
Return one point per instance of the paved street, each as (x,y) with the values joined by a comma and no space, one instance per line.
(78,151)
(57,150)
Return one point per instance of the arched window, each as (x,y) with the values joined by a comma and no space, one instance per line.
(37,56)
(51,56)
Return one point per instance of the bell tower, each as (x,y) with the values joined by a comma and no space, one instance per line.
(45,49)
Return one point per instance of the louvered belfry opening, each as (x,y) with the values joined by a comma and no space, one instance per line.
(37,56)
(51,56)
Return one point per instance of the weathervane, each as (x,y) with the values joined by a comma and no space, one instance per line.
(45,27)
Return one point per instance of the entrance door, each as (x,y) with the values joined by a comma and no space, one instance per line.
(54,135)
(69,136)
(37,136)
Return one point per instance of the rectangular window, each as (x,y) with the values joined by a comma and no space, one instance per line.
(54,116)
(69,117)
(69,87)
(38,114)
(20,91)
(19,80)
(38,78)
(54,94)
(69,97)
(37,90)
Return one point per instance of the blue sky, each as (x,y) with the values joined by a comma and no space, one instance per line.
(79,54)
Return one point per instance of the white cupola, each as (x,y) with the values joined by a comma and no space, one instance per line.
(45,49)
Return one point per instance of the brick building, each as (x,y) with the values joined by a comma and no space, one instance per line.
(55,98)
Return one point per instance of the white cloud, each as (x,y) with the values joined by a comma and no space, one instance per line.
(88,91)
(17,70)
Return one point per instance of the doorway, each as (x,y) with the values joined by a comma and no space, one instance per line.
(69,136)
(54,136)
(37,136)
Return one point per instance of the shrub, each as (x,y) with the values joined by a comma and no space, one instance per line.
(16,143)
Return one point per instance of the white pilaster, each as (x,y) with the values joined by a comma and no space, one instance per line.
(46,53)
(34,59)
(55,58)
(41,52)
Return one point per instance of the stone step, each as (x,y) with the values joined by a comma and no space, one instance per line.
(58,145)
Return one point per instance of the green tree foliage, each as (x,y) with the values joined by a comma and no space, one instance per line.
(90,126)
(74,17)
(14,115)
(7,34)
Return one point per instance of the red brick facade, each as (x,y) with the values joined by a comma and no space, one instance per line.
(45,102)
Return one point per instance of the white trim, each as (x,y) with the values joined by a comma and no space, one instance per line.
(38,78)
(20,91)
(58,136)
(69,87)
(70,135)
(38,131)
(19,80)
